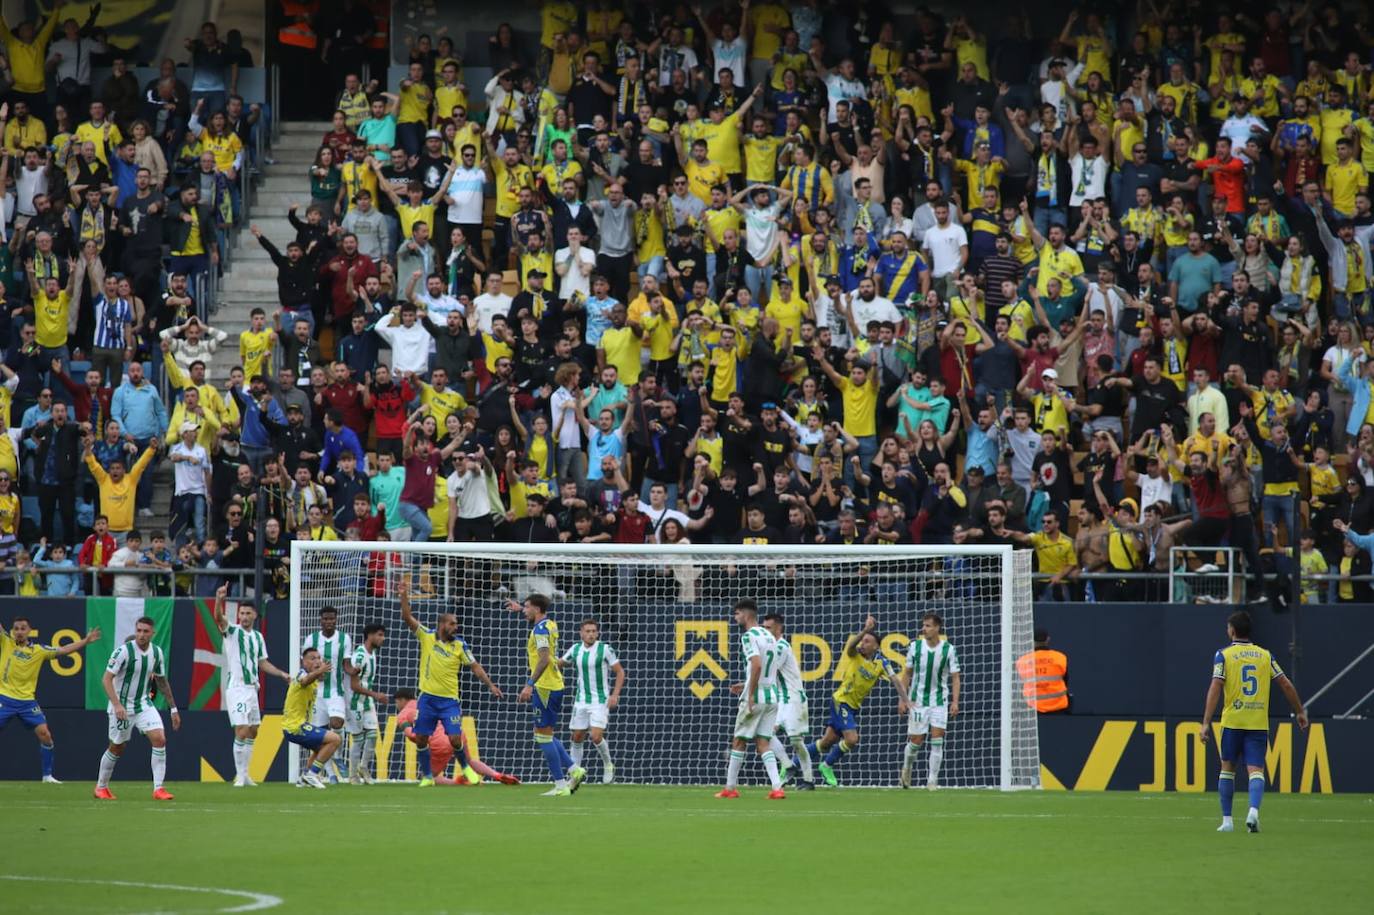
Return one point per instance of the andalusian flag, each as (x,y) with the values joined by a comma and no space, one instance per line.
(116,617)
(209,660)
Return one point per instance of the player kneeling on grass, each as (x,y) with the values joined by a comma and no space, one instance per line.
(757,718)
(361,721)
(441,750)
(129,677)
(864,667)
(1242,671)
(930,685)
(295,722)
(594,661)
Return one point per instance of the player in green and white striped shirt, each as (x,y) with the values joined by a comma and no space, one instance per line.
(793,716)
(331,692)
(757,718)
(930,687)
(361,720)
(134,667)
(594,661)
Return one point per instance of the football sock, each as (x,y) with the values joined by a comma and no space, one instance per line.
(107,767)
(836,752)
(604,750)
(247,757)
(804,755)
(369,749)
(159,766)
(355,753)
(779,750)
(1226,789)
(45,755)
(577,749)
(238,759)
(732,770)
(563,755)
(910,753)
(937,753)
(770,763)
(545,743)
(422,762)
(1256,789)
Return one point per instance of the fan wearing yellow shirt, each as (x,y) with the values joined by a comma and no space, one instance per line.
(297,710)
(1335,118)
(1093,50)
(1364,131)
(441,400)
(968,46)
(52,313)
(1241,675)
(442,655)
(984,170)
(543,690)
(861,666)
(651,248)
(659,327)
(788,308)
(224,144)
(724,378)
(702,174)
(24,131)
(102,133)
(761,153)
(21,661)
(450,93)
(722,134)
(718,218)
(620,346)
(358,174)
(1345,179)
(414,111)
(256,345)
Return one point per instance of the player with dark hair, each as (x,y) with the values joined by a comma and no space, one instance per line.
(929,695)
(135,673)
(544,691)
(863,666)
(1241,674)
(21,661)
(296,713)
(757,717)
(361,717)
(594,661)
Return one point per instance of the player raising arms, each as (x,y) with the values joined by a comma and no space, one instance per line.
(362,704)
(132,669)
(757,717)
(930,685)
(440,750)
(1242,672)
(442,653)
(544,691)
(335,647)
(865,667)
(296,715)
(792,710)
(245,659)
(594,661)
(21,661)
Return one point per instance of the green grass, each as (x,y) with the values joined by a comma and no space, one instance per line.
(628,849)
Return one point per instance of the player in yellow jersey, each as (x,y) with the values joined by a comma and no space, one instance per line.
(1241,674)
(296,713)
(21,661)
(863,666)
(442,654)
(544,691)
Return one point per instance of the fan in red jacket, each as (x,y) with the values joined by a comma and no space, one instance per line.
(97,550)
(87,397)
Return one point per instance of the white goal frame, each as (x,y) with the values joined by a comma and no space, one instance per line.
(1010,685)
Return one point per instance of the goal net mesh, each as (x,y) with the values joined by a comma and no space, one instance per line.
(667,614)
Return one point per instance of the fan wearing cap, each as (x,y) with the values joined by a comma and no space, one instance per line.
(191,469)
(1050,406)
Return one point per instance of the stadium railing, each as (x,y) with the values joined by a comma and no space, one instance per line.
(242,579)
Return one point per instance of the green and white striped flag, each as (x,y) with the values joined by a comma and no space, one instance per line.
(116,617)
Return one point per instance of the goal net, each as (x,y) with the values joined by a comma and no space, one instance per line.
(666,611)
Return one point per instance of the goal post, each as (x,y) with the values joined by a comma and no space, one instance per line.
(666,612)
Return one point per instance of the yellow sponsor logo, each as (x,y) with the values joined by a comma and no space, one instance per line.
(702,630)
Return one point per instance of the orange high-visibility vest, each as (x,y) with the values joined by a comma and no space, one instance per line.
(381,28)
(297,32)
(1042,679)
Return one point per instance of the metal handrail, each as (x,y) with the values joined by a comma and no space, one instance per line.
(274,94)
(91,576)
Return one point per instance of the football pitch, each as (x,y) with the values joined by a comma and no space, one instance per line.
(499,849)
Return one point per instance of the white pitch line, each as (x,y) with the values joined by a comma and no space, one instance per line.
(256,901)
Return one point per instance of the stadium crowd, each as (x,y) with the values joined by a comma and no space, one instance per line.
(761,275)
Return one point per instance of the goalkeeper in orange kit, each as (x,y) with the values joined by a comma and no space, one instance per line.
(440,750)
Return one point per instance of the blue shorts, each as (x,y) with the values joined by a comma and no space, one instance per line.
(842,718)
(430,710)
(1248,746)
(309,736)
(26,710)
(547,704)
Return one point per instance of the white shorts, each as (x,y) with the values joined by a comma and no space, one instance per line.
(793,718)
(589,715)
(242,704)
(334,707)
(760,721)
(924,717)
(357,722)
(145,721)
